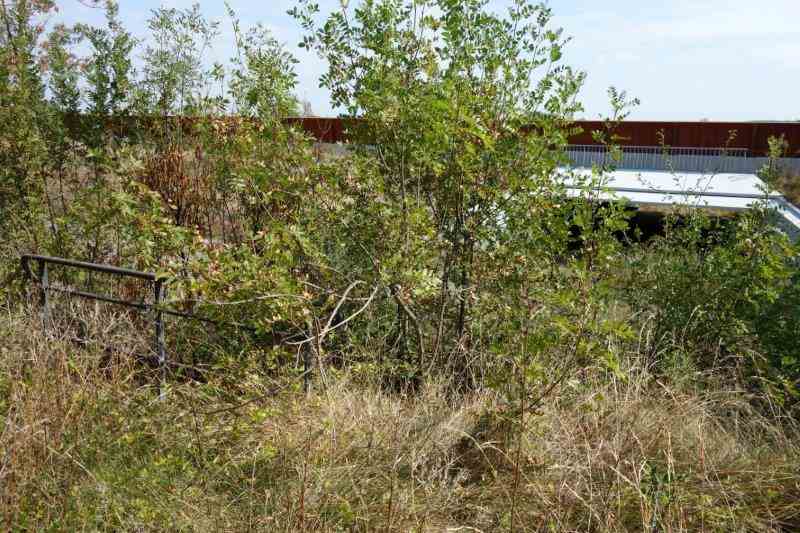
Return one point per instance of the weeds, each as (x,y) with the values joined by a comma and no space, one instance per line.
(86,445)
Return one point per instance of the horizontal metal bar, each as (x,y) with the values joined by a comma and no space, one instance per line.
(682,193)
(109,299)
(108,269)
(657,149)
(137,305)
(208,320)
(100,297)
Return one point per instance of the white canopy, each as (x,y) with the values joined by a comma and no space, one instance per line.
(726,192)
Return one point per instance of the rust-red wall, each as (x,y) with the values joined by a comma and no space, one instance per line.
(750,135)
(326,130)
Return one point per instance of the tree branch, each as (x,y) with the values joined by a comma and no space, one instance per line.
(417,327)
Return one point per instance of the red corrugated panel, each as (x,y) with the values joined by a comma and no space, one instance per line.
(751,135)
(327,130)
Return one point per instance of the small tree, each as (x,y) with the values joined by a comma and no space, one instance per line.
(109,73)
(24,124)
(464,114)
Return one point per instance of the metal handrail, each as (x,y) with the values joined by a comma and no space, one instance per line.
(156,307)
(671,150)
(119,271)
(675,159)
(158,286)
(96,267)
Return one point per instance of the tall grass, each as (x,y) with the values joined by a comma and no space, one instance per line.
(86,444)
(789,185)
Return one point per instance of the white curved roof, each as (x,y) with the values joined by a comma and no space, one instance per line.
(724,191)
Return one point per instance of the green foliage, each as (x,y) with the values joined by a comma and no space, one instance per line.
(263,76)
(25,121)
(446,243)
(463,113)
(175,76)
(109,69)
(442,240)
(449,208)
(720,293)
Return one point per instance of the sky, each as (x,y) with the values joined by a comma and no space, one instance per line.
(721,60)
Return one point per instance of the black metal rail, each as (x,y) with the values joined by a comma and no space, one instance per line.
(157,288)
(157,285)
(43,271)
(108,269)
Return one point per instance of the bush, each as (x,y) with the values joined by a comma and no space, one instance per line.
(723,295)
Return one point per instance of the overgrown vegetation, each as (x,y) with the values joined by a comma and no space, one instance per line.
(788,184)
(491,350)
(86,447)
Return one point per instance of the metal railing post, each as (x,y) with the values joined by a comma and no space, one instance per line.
(27,276)
(44,294)
(306,369)
(161,353)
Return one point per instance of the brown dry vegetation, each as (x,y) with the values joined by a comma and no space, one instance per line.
(789,185)
(86,444)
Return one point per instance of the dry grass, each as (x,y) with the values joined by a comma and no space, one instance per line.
(637,456)
(85,444)
(789,185)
